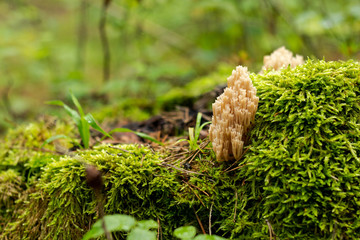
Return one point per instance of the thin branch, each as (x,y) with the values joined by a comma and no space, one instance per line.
(199,189)
(180,169)
(159,235)
(210,218)
(199,221)
(271,232)
(226,170)
(194,193)
(105,41)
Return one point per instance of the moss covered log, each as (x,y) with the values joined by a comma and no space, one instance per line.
(302,170)
(298,179)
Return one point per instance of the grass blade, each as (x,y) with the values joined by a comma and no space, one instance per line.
(56,102)
(197,126)
(53,138)
(91,120)
(77,104)
(84,130)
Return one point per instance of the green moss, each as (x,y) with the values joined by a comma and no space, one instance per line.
(10,189)
(21,151)
(302,172)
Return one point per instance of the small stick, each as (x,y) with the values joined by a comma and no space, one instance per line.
(199,221)
(194,193)
(180,169)
(235,168)
(119,149)
(159,233)
(270,229)
(226,170)
(210,218)
(200,189)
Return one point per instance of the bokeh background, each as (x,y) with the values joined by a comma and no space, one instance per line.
(48,48)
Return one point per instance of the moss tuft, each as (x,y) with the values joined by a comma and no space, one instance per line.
(303,170)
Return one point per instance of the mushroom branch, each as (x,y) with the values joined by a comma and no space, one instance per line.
(233,112)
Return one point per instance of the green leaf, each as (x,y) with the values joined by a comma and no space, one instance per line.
(143,135)
(208,237)
(141,234)
(56,102)
(91,120)
(197,126)
(73,114)
(185,233)
(77,104)
(84,131)
(94,232)
(116,222)
(53,138)
(147,224)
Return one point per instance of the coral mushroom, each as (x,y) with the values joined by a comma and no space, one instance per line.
(233,112)
(281,58)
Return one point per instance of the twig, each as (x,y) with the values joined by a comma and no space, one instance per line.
(226,170)
(119,149)
(200,189)
(102,215)
(159,233)
(194,193)
(105,41)
(199,221)
(235,168)
(210,218)
(271,232)
(180,169)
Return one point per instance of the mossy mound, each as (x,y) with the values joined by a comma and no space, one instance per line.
(299,178)
(136,182)
(302,170)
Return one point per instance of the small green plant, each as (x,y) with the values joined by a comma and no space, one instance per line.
(119,222)
(144,230)
(194,133)
(189,233)
(82,121)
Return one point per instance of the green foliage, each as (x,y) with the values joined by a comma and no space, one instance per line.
(82,121)
(140,229)
(10,188)
(194,133)
(298,180)
(302,170)
(46,49)
(20,149)
(119,222)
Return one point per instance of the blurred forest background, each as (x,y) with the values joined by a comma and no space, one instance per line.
(48,48)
